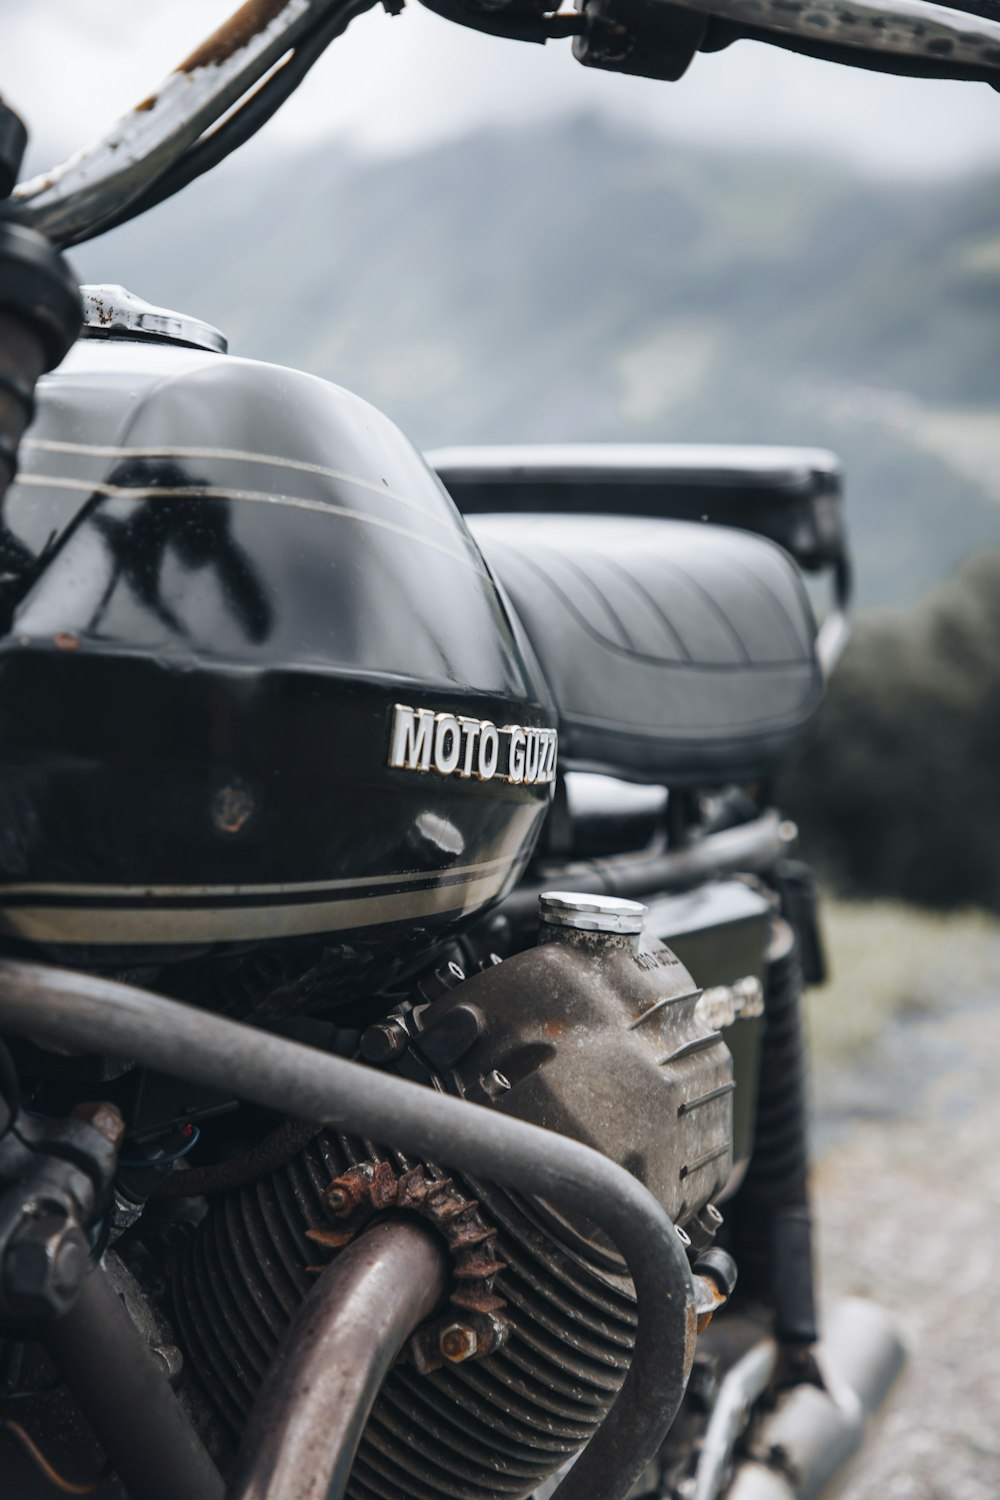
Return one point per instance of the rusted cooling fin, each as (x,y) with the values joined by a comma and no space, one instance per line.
(474,1329)
(488,1428)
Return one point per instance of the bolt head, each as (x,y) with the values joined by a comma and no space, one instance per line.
(45,1266)
(458,1343)
(383,1042)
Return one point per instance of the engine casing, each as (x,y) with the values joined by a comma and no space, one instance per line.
(600,1039)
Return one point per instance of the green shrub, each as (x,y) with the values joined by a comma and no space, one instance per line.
(897,790)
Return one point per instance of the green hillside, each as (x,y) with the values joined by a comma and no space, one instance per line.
(583,282)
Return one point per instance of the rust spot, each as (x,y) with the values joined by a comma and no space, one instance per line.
(412,1189)
(461,1236)
(458,1343)
(64,640)
(382,1191)
(346,1192)
(474,1267)
(372,1187)
(231,807)
(233,34)
(331,1239)
(146,104)
(473,1299)
(690,1337)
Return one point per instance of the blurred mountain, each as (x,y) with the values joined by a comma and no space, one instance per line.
(584,282)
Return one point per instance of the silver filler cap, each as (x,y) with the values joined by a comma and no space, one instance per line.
(111,311)
(591,913)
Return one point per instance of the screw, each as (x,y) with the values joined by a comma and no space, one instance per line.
(702,1229)
(494,1085)
(458,1343)
(433,986)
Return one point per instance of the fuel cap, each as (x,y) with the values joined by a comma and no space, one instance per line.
(591,913)
(113,312)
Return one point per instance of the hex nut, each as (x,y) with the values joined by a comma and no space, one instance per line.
(384,1042)
(45,1266)
(458,1343)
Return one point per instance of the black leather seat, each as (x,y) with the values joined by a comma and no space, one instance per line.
(677,652)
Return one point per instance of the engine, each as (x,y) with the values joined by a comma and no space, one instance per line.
(597,1032)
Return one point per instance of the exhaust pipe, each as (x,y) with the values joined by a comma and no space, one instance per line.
(804,1442)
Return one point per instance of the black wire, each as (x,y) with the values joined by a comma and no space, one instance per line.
(254,112)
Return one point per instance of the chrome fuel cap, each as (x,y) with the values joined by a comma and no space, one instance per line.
(114,312)
(591,913)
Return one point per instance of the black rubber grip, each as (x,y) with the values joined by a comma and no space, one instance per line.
(40,317)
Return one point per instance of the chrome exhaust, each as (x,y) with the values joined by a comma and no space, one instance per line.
(800,1446)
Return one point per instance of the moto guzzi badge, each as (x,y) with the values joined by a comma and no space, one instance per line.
(453,745)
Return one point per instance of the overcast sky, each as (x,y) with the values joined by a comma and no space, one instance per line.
(71,66)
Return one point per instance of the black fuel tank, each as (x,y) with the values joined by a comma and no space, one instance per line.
(256,682)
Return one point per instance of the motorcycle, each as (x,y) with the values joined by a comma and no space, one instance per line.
(402,956)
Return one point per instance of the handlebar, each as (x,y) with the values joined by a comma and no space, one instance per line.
(99,185)
(911,29)
(161,144)
(229,86)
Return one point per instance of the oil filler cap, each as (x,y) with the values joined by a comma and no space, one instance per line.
(111,312)
(591,913)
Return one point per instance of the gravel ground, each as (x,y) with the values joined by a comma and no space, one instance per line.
(908,1203)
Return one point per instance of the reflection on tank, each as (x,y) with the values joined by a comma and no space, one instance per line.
(199,532)
(17,562)
(435,840)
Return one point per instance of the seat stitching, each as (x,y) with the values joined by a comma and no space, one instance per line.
(715,608)
(612,562)
(774,604)
(632,655)
(532,566)
(595,589)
